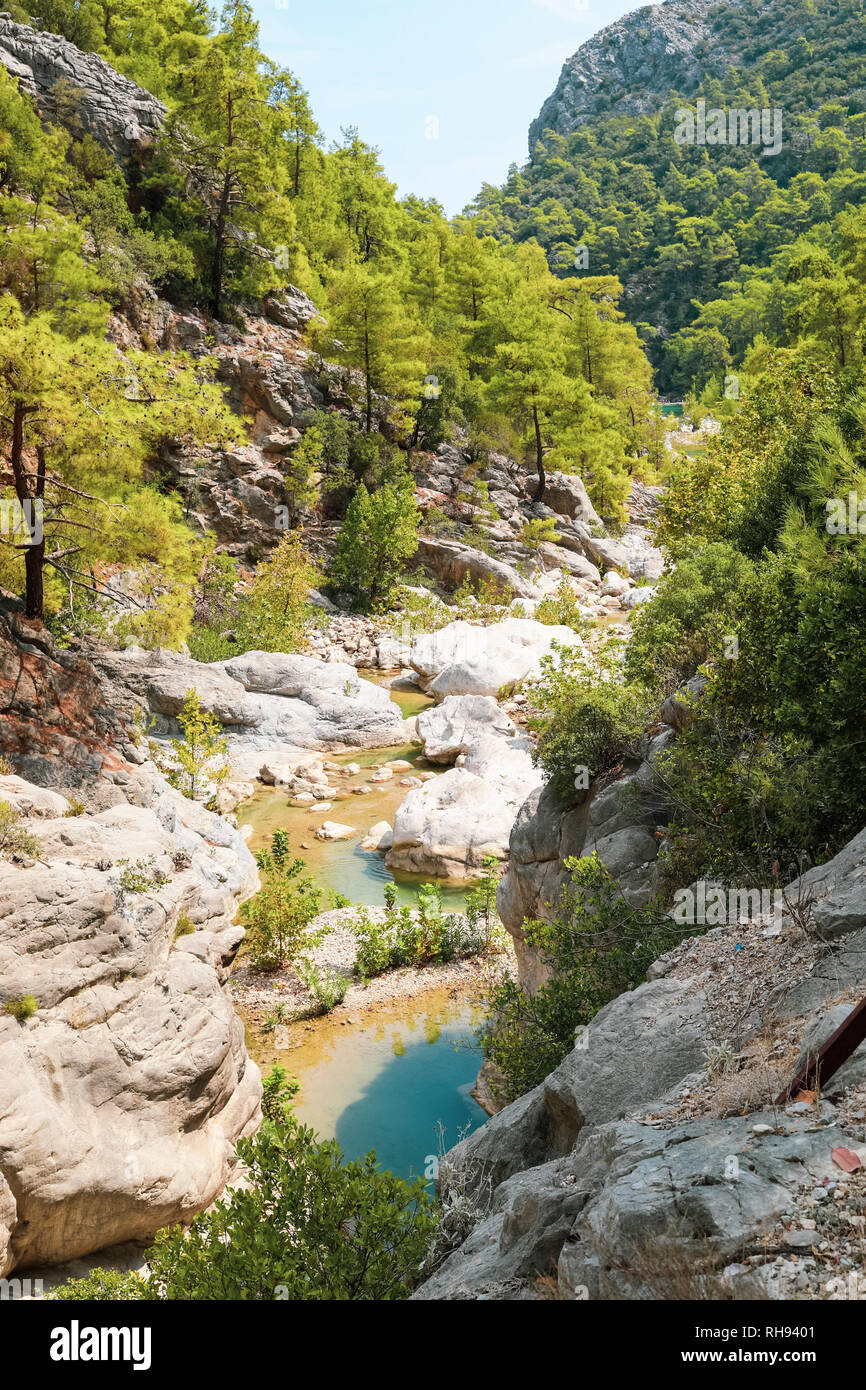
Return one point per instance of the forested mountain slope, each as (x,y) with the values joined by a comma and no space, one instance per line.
(703,235)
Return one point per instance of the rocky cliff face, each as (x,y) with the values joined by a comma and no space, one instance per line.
(121,116)
(646,1167)
(122,1095)
(634,65)
(55,726)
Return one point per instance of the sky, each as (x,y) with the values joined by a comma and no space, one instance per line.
(446,89)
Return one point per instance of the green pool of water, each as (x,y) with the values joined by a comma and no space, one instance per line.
(398,1083)
(341,865)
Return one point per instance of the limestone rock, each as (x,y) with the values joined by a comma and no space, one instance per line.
(121,1098)
(455,726)
(120,116)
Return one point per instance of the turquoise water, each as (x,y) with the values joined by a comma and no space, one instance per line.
(389,1083)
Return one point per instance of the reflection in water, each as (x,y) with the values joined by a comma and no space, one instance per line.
(388,1084)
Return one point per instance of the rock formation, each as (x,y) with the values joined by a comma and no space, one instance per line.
(121,116)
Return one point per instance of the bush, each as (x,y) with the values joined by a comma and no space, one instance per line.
(534,533)
(686,622)
(588,719)
(416,938)
(596,947)
(21,1009)
(102,1285)
(307,1226)
(199,761)
(280,914)
(15,839)
(327,987)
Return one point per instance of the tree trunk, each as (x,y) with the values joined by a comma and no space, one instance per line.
(539,459)
(367,373)
(34,555)
(219,255)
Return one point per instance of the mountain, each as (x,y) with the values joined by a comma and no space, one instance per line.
(632,67)
(686,225)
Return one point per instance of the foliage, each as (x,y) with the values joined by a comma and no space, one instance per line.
(199,758)
(15,839)
(102,1285)
(588,718)
(534,533)
(328,987)
(380,532)
(687,621)
(416,937)
(595,948)
(280,914)
(307,1225)
(21,1009)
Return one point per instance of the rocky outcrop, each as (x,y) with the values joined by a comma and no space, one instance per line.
(56,727)
(264,700)
(80,89)
(633,66)
(455,727)
(122,1096)
(448,826)
(618,819)
(452,562)
(607,1167)
(464,659)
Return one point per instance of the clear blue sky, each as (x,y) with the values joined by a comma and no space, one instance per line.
(394,68)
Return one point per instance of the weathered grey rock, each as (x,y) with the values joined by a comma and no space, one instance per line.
(614,819)
(122,117)
(626,1188)
(30,800)
(565,493)
(448,826)
(836,891)
(451,562)
(462,659)
(571,561)
(265,700)
(121,1098)
(455,726)
(633,65)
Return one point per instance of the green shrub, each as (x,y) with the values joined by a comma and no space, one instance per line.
(280,914)
(102,1285)
(307,1226)
(21,1009)
(328,987)
(687,621)
(534,533)
(588,719)
(15,840)
(185,926)
(596,947)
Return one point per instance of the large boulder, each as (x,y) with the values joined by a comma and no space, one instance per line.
(122,1096)
(451,562)
(447,827)
(120,116)
(462,659)
(565,493)
(458,724)
(265,700)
